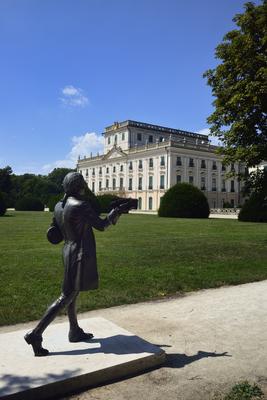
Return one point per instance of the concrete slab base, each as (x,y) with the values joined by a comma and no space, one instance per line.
(113,353)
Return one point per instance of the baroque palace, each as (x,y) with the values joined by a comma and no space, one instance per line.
(142,161)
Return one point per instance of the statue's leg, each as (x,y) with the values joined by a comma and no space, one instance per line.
(76,334)
(72,314)
(35,336)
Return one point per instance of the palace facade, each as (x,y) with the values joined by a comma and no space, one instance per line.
(142,161)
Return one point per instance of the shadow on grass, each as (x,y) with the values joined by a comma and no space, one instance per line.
(178,360)
(7,215)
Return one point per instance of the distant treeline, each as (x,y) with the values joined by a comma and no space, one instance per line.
(45,188)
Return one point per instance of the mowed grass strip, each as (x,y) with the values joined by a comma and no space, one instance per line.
(143,257)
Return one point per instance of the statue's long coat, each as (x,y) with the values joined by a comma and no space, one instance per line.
(75,222)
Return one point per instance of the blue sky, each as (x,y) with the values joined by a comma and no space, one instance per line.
(71,67)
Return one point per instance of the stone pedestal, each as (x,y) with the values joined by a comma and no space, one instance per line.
(113,353)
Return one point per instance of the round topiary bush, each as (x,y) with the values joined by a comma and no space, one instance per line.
(2,205)
(29,204)
(255,208)
(184,201)
(104,201)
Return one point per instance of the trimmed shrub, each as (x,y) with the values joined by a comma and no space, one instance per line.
(53,200)
(29,204)
(2,205)
(104,201)
(184,201)
(255,208)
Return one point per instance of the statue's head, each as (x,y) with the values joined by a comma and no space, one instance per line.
(73,183)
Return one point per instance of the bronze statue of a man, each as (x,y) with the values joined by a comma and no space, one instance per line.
(74,218)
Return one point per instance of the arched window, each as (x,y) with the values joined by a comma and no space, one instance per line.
(140,203)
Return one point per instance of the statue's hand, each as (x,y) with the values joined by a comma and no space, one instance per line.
(113,216)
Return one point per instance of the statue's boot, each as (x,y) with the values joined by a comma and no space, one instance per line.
(36,341)
(35,336)
(78,335)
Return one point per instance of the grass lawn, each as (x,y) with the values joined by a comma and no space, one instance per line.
(143,257)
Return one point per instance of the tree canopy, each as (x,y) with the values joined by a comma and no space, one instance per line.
(239,85)
(16,187)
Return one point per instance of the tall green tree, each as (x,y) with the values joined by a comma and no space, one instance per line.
(239,85)
(58,174)
(5,179)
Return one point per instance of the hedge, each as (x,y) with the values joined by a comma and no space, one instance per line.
(2,205)
(29,204)
(255,208)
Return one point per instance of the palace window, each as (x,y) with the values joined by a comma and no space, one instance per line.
(232,167)
(214,165)
(140,183)
(203,164)
(161,139)
(107,183)
(100,170)
(100,186)
(150,203)
(93,172)
(203,183)
(107,170)
(86,173)
(162,181)
(162,161)
(214,185)
(109,140)
(178,161)
(123,136)
(178,179)
(191,180)
(223,167)
(121,183)
(139,136)
(232,186)
(151,163)
(150,182)
(121,169)
(140,203)
(140,165)
(93,187)
(130,183)
(223,186)
(114,184)
(150,139)
(191,162)
(114,169)
(130,165)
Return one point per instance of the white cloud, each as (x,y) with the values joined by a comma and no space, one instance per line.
(81,146)
(72,96)
(213,139)
(205,131)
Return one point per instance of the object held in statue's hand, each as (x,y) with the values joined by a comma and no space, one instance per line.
(124,204)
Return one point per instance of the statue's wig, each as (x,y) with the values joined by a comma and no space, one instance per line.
(73,183)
